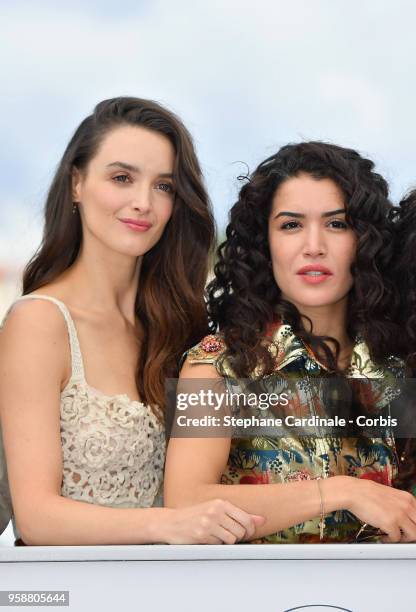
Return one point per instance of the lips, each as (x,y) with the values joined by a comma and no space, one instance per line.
(314,270)
(135,224)
(314,274)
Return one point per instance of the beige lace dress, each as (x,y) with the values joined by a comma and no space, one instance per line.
(113,448)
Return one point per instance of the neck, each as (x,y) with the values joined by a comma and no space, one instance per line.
(104,281)
(329,320)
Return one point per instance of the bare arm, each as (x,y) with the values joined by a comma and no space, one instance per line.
(34,358)
(194,467)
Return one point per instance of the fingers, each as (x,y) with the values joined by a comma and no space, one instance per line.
(225,536)
(220,522)
(393,537)
(236,529)
(213,540)
(247,521)
(406,518)
(393,534)
(258,520)
(408,529)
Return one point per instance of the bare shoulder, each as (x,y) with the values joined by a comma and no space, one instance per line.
(35,334)
(27,318)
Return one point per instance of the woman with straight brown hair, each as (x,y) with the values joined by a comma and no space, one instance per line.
(120,273)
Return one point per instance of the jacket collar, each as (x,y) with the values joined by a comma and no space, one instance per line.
(288,348)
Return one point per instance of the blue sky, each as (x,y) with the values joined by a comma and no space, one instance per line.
(245,77)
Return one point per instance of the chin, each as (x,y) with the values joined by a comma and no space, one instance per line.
(317,302)
(132,251)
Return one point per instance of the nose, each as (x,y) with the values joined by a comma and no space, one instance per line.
(142,199)
(315,243)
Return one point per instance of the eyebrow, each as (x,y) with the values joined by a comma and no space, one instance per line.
(300,216)
(131,168)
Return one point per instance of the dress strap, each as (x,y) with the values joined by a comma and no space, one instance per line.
(77,365)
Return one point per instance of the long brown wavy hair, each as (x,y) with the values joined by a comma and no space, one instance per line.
(169,303)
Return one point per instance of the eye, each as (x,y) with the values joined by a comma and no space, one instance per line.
(338,224)
(121,178)
(167,187)
(289,225)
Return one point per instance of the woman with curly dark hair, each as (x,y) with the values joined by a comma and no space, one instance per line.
(301,290)
(110,301)
(405,270)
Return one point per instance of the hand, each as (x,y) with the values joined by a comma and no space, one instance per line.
(391,510)
(213,522)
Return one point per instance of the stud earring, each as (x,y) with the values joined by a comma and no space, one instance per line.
(74,207)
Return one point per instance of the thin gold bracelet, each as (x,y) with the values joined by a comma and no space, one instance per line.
(322,514)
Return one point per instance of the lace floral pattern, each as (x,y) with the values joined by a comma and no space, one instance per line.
(113,449)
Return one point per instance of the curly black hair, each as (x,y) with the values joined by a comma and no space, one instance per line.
(243,298)
(404,270)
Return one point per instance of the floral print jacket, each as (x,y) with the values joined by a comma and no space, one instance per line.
(264,459)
